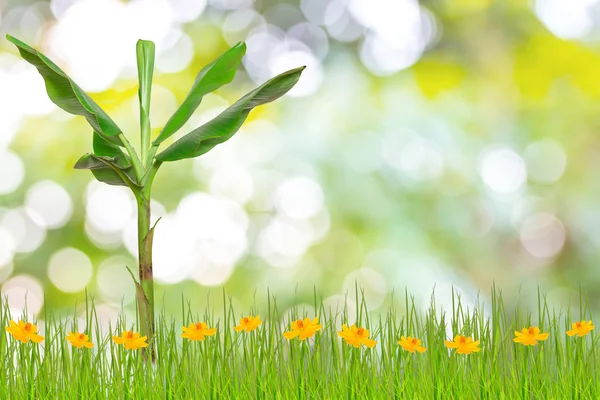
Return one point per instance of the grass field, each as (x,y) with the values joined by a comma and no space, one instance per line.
(262,364)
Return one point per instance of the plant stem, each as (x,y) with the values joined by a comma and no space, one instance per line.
(137,164)
(145,63)
(150,175)
(146,304)
(152,151)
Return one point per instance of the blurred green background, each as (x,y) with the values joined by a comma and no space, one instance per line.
(432,143)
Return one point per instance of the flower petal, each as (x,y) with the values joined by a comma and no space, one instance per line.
(210,332)
(369,342)
(290,335)
(36,338)
(306,334)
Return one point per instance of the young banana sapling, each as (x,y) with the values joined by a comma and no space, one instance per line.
(114,160)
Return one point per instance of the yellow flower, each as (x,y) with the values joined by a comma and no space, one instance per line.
(24,331)
(248,324)
(79,340)
(581,328)
(197,331)
(356,336)
(303,329)
(131,340)
(465,345)
(529,336)
(411,344)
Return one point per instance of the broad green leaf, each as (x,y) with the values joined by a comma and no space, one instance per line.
(226,124)
(66,94)
(216,74)
(145,62)
(105,148)
(111,170)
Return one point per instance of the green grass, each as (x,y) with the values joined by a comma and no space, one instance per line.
(264,365)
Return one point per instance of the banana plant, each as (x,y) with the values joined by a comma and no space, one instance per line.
(114,160)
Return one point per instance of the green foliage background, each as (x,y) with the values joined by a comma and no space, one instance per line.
(493,75)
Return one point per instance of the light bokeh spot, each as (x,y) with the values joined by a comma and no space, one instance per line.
(502,169)
(49,204)
(70,270)
(25,294)
(546,161)
(27,234)
(12,172)
(108,208)
(283,241)
(299,197)
(7,247)
(398,33)
(565,18)
(543,235)
(186,10)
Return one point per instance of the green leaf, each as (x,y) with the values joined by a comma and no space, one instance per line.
(105,148)
(226,124)
(66,94)
(111,170)
(145,51)
(216,74)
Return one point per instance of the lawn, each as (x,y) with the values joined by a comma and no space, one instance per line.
(263,364)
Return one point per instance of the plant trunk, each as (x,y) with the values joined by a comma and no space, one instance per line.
(146,294)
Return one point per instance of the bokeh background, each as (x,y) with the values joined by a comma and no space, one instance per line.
(441,143)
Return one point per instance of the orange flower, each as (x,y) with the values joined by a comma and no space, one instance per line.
(411,344)
(303,329)
(529,336)
(465,345)
(248,324)
(197,331)
(24,332)
(79,340)
(356,336)
(581,328)
(131,340)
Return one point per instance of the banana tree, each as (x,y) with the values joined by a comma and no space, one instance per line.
(114,160)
